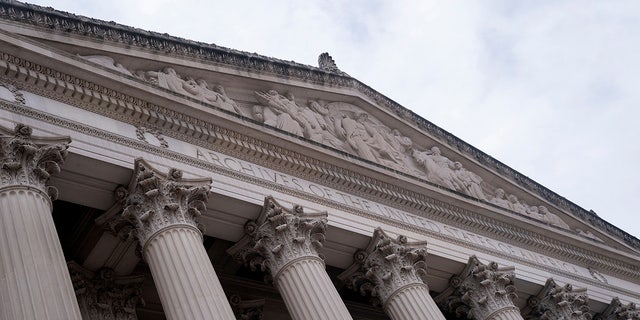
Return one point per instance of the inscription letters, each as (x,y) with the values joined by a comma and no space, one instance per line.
(375,208)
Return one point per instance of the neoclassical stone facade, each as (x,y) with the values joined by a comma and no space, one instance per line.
(200,182)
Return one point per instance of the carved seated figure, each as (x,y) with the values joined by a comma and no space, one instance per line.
(551,218)
(437,167)
(217,97)
(469,181)
(515,205)
(499,199)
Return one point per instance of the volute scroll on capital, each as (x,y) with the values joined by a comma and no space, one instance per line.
(558,302)
(156,201)
(616,310)
(104,295)
(348,128)
(386,266)
(280,236)
(30,161)
(480,290)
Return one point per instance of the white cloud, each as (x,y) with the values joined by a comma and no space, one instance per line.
(547,87)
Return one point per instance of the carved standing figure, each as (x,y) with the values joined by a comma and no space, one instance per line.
(366,141)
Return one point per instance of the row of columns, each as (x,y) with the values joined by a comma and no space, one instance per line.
(285,243)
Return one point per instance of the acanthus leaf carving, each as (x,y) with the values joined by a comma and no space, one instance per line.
(555,302)
(386,266)
(279,236)
(49,19)
(156,200)
(27,160)
(104,295)
(481,290)
(616,310)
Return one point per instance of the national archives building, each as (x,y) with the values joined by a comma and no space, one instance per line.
(145,176)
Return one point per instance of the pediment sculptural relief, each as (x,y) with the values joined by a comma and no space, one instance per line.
(346,127)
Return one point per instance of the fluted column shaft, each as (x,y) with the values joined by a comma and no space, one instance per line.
(164,209)
(187,284)
(308,291)
(394,272)
(412,302)
(285,243)
(34,280)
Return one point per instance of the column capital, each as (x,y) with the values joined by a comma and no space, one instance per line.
(156,201)
(247,309)
(386,266)
(558,302)
(104,295)
(481,290)
(618,311)
(30,161)
(280,236)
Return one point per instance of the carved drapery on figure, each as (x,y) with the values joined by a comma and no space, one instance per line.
(30,161)
(386,266)
(157,201)
(104,295)
(618,311)
(482,291)
(348,128)
(280,236)
(558,302)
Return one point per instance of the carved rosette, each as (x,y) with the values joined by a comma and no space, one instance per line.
(386,266)
(482,290)
(103,295)
(559,302)
(280,236)
(30,161)
(618,311)
(157,201)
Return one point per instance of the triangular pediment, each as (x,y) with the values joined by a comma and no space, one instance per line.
(183,88)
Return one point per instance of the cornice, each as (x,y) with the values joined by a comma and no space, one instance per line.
(63,22)
(95,98)
(493,230)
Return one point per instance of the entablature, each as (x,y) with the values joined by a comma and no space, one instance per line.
(197,58)
(136,101)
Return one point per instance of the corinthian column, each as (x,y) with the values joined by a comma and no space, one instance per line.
(285,243)
(618,311)
(394,272)
(34,280)
(163,209)
(556,302)
(104,295)
(485,292)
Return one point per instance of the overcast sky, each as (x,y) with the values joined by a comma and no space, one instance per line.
(550,88)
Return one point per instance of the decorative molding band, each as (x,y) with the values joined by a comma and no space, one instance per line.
(618,268)
(260,152)
(119,34)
